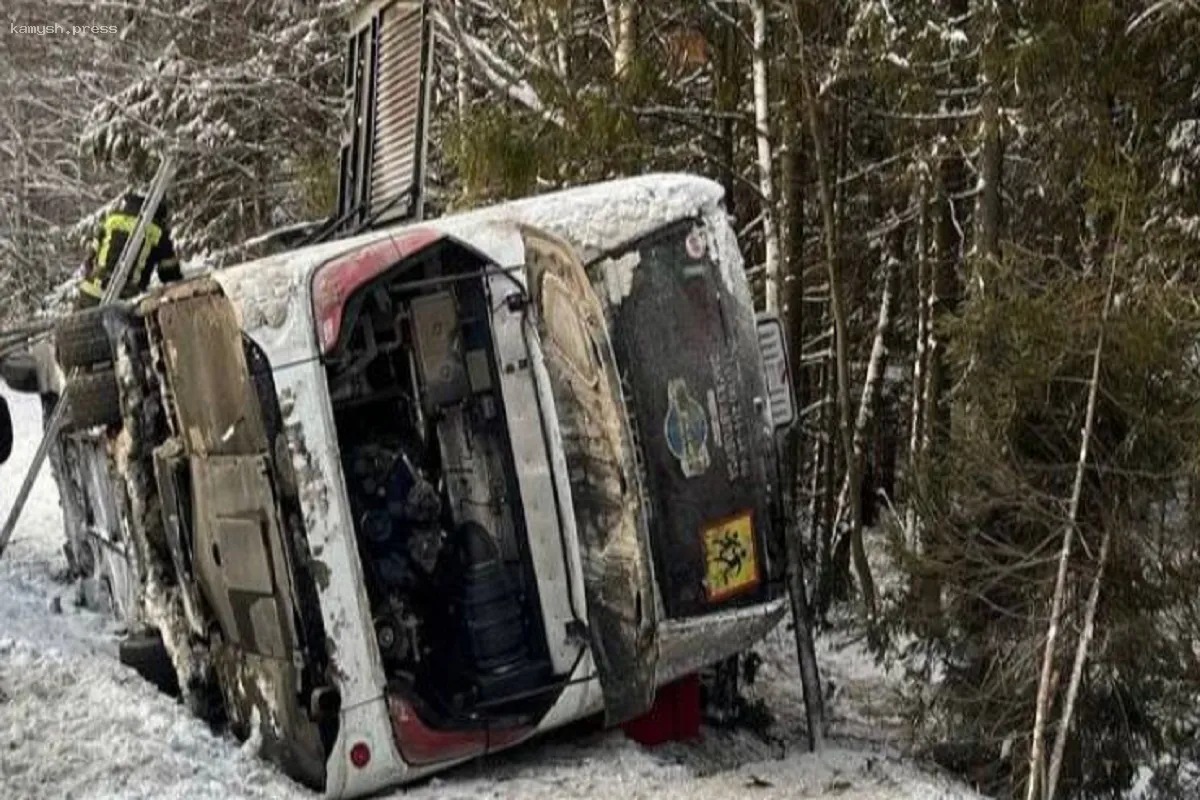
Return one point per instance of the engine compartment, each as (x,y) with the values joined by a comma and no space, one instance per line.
(432,484)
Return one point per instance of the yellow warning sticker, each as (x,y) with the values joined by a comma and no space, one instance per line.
(730,557)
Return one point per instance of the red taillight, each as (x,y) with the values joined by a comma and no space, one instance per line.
(360,755)
(336,280)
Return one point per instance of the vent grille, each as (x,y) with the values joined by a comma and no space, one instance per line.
(398,110)
(383,153)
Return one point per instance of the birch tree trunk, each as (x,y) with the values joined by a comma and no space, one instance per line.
(625,40)
(1081,651)
(762,124)
(1042,710)
(916,431)
(461,96)
(562,21)
(612,18)
(876,366)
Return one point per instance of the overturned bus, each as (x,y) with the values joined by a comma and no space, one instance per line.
(405,499)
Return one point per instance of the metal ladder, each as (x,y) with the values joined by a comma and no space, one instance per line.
(113,291)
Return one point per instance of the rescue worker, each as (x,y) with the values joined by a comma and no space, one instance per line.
(118,225)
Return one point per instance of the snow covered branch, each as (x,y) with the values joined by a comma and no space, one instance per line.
(491,68)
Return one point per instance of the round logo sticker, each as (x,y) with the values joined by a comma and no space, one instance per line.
(696,244)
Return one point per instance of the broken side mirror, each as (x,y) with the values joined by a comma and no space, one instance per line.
(781,400)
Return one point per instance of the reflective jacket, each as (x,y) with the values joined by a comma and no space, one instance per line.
(157,253)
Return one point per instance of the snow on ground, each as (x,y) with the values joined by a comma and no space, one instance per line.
(75,723)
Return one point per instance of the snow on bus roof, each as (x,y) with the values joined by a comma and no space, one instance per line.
(599,217)
(594,218)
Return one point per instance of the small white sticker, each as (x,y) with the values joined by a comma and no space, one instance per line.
(714,417)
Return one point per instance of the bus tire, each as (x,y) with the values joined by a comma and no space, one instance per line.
(81,340)
(19,371)
(95,399)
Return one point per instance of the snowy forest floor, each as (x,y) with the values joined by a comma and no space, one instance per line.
(76,723)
